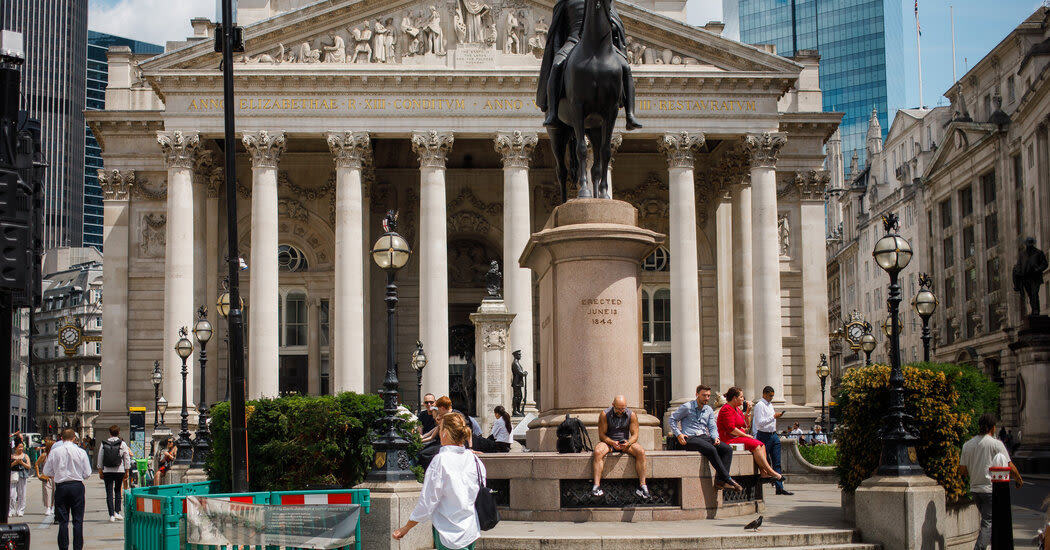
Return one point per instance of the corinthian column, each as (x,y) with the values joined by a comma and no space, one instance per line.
(743,287)
(685,287)
(179,152)
(769,367)
(263,330)
(115,185)
(432,148)
(516,149)
(348,370)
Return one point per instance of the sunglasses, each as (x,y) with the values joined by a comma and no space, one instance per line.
(429,402)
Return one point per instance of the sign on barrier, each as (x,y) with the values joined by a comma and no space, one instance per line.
(223,522)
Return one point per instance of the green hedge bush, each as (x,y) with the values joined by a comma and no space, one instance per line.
(932,396)
(297,442)
(977,393)
(820,455)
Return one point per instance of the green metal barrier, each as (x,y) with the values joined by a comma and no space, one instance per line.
(154,516)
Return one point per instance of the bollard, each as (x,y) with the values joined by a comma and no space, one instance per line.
(1002,521)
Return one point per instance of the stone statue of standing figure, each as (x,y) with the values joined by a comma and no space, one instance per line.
(494,281)
(518,384)
(1028,273)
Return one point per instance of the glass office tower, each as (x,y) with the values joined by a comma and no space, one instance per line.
(97,77)
(861,45)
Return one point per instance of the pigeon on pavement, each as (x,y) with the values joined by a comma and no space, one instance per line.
(754,525)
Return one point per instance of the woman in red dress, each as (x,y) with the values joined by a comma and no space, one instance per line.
(732,428)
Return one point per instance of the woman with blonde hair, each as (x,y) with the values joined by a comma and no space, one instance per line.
(47,485)
(451,484)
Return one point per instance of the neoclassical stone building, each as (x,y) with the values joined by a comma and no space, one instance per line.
(346,109)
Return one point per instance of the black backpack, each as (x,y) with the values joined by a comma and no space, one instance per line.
(111,453)
(572,436)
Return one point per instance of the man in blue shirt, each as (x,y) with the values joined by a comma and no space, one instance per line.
(699,432)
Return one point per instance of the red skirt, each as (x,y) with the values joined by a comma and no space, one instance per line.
(749,443)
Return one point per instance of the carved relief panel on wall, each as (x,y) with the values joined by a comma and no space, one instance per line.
(152,234)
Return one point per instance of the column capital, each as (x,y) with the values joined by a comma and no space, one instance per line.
(680,147)
(115,184)
(264,147)
(516,148)
(763,148)
(180,149)
(349,148)
(812,184)
(432,147)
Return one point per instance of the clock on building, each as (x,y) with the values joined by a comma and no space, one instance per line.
(70,336)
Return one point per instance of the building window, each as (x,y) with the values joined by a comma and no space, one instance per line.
(98,373)
(290,259)
(323,314)
(988,187)
(659,260)
(1018,171)
(966,201)
(295,319)
(656,315)
(972,318)
(970,284)
(991,229)
(994,277)
(1011,89)
(968,241)
(994,321)
(946,213)
(949,292)
(98,401)
(949,252)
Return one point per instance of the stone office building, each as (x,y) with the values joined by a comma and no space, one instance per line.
(346,109)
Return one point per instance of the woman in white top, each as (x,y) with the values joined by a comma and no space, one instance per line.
(449,490)
(501,430)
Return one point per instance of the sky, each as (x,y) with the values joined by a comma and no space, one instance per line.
(979,26)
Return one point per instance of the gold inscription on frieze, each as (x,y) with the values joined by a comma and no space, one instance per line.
(720,105)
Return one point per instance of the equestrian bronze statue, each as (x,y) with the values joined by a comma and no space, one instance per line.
(584,80)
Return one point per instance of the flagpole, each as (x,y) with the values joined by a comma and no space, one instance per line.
(918,49)
(951,13)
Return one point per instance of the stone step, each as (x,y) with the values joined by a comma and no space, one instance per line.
(617,537)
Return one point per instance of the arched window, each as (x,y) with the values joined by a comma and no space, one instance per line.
(290,259)
(659,260)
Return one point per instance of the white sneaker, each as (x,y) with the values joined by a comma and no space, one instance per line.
(597,491)
(112,519)
(118,516)
(49,512)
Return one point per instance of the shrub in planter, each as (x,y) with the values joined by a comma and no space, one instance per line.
(297,442)
(977,393)
(932,400)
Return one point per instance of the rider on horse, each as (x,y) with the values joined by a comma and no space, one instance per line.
(565,30)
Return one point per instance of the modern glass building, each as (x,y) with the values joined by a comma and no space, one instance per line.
(97,76)
(860,43)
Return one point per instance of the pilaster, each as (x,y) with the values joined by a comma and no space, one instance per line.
(115,237)
(810,187)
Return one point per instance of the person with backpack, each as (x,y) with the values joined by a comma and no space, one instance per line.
(114,462)
(618,432)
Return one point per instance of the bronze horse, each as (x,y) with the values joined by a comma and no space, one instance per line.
(593,90)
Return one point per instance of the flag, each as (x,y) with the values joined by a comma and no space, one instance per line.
(918,27)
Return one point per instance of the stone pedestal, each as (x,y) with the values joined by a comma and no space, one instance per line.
(588,260)
(1033,361)
(492,357)
(901,513)
(392,503)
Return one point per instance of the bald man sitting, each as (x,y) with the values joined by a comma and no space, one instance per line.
(618,432)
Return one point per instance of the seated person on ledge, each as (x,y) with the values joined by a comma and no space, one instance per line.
(699,432)
(733,427)
(618,431)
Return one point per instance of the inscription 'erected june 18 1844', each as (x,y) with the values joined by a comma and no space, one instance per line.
(601,311)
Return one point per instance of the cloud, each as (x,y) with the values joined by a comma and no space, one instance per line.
(154,21)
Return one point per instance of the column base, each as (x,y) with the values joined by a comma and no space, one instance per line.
(392,504)
(901,513)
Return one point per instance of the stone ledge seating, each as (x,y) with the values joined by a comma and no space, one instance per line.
(535,485)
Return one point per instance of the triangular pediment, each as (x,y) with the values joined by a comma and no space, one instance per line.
(370,34)
(960,138)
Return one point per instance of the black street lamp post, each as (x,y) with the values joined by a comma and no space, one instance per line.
(868,344)
(184,446)
(893,253)
(822,372)
(202,330)
(156,377)
(391,253)
(925,303)
(419,362)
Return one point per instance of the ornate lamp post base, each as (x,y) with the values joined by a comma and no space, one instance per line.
(202,442)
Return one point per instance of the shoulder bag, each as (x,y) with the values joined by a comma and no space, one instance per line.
(485,503)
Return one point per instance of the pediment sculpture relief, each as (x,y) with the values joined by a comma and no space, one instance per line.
(640,52)
(153,234)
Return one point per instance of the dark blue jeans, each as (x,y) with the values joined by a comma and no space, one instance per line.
(772,443)
(114,486)
(69,497)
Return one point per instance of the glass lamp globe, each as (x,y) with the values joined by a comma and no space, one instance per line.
(391,251)
(162,405)
(823,370)
(184,347)
(156,376)
(892,253)
(419,359)
(925,303)
(868,343)
(202,330)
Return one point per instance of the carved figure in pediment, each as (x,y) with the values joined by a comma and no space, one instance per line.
(336,53)
(539,37)
(461,27)
(512,44)
(261,58)
(383,41)
(362,42)
(434,36)
(490,36)
(413,34)
(308,54)
(474,14)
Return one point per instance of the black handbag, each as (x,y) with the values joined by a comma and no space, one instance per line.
(485,503)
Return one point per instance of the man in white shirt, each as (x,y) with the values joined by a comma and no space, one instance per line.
(69,466)
(796,432)
(114,463)
(978,454)
(819,437)
(764,424)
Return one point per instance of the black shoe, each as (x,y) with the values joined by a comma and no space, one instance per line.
(784,492)
(632,123)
